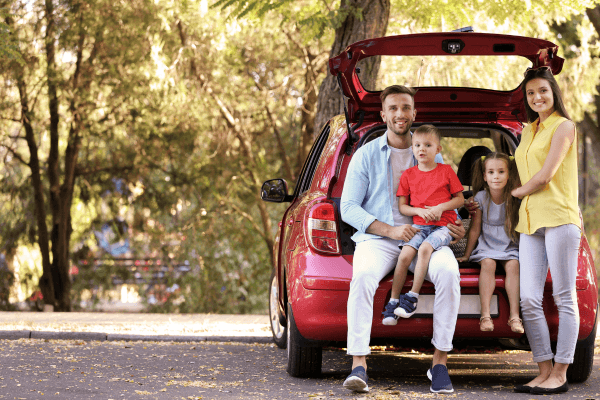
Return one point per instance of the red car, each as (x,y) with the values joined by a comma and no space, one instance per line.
(313,251)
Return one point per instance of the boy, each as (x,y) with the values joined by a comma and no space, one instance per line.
(429,192)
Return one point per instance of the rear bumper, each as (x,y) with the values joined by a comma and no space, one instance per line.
(320,311)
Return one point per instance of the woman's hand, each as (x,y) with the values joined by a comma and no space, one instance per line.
(517,193)
(471,205)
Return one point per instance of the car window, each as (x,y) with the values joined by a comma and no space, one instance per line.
(483,72)
(310,165)
(454,148)
(457,139)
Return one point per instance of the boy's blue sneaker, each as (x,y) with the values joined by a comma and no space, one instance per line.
(440,380)
(357,380)
(389,318)
(407,306)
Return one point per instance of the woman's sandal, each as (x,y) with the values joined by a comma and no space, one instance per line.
(486,324)
(516,325)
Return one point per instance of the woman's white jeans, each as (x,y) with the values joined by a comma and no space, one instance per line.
(556,248)
(373,260)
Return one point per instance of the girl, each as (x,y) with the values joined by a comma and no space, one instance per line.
(494,177)
(550,227)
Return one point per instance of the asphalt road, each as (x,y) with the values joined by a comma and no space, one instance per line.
(73,369)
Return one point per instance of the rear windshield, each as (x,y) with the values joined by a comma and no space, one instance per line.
(482,72)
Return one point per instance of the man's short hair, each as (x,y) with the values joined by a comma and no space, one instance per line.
(429,129)
(397,89)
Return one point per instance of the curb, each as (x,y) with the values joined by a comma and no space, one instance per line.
(98,336)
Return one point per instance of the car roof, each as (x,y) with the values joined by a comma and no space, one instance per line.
(434,102)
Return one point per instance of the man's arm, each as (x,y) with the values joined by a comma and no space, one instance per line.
(354,193)
(402,232)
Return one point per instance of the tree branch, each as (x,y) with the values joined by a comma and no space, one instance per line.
(16,155)
(245,215)
(11,119)
(594,17)
(83,172)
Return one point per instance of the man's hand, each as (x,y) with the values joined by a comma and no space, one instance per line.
(402,232)
(471,205)
(463,259)
(457,231)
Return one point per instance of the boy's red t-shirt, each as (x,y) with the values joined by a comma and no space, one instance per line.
(430,189)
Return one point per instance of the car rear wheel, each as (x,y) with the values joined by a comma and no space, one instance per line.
(583,362)
(279,331)
(303,359)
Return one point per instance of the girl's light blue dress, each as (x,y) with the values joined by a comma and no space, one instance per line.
(493,242)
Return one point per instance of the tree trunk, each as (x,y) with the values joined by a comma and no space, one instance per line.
(374,22)
(46,282)
(591,124)
(309,105)
(60,195)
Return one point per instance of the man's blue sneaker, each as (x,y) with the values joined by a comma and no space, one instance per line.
(407,306)
(357,380)
(389,318)
(440,380)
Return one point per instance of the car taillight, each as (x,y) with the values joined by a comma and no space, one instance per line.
(322,230)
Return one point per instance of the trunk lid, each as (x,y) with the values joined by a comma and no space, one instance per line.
(446,102)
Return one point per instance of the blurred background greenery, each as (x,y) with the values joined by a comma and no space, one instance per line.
(144,129)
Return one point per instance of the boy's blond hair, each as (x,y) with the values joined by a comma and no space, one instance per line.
(428,129)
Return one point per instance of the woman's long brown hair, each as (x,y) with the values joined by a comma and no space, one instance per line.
(511,203)
(543,73)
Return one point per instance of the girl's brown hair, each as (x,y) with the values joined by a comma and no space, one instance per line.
(511,203)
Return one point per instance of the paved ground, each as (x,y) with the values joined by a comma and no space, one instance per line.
(75,369)
(205,356)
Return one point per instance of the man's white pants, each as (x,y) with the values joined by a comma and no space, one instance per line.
(373,260)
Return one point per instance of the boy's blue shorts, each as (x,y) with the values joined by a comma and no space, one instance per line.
(436,236)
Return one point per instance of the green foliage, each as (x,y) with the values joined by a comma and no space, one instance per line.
(7,279)
(314,18)
(448,15)
(8,46)
(181,108)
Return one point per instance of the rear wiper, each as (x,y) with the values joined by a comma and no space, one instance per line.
(464,29)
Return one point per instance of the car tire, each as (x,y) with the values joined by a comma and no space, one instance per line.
(304,360)
(278,330)
(583,361)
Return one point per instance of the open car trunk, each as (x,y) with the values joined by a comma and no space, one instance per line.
(467,135)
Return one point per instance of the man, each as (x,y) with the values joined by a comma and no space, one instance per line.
(370,205)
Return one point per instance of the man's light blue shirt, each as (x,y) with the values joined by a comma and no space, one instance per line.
(367,187)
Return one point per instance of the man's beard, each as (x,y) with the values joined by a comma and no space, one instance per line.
(404,131)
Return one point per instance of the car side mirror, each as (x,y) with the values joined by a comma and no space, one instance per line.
(275,190)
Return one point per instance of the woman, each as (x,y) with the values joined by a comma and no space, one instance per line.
(550,227)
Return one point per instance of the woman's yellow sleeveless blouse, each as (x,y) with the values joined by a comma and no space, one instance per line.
(557,203)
